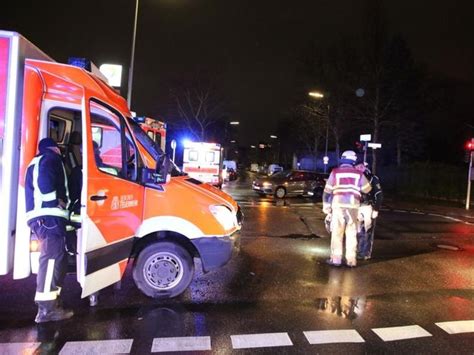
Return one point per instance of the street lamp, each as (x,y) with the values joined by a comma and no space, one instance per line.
(234,123)
(272,136)
(318,95)
(132,59)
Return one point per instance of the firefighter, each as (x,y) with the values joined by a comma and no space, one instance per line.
(368,211)
(47,214)
(341,199)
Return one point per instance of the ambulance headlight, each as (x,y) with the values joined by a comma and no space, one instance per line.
(223,215)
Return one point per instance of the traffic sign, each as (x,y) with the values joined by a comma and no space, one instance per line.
(375,145)
(365,137)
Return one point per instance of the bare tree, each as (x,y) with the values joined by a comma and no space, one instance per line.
(198,105)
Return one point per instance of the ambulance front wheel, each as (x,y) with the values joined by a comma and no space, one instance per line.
(163,270)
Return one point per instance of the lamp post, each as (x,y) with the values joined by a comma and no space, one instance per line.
(272,136)
(318,95)
(132,57)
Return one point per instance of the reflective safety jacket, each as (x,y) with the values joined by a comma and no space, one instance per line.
(344,187)
(45,186)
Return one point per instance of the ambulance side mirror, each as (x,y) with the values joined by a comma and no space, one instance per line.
(163,169)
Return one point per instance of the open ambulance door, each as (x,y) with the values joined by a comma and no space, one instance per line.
(112,197)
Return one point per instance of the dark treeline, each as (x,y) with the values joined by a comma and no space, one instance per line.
(372,84)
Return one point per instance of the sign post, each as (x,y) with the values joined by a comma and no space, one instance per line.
(365,138)
(325,161)
(470,175)
(173,146)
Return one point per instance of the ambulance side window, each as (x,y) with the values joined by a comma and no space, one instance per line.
(210,156)
(193,155)
(114,151)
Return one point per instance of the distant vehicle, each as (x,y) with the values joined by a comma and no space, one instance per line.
(274,168)
(254,167)
(228,167)
(291,183)
(203,161)
(230,164)
(155,129)
(232,174)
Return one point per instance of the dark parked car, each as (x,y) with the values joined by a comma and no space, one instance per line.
(232,174)
(291,183)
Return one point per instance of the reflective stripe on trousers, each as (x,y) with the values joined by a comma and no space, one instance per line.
(53,260)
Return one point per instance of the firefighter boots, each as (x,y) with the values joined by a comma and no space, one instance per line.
(49,311)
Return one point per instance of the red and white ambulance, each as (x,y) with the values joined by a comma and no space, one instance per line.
(128,213)
(203,161)
(155,129)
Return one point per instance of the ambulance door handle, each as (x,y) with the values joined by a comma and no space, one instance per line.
(98,198)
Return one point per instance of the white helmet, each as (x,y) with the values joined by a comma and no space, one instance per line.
(349,157)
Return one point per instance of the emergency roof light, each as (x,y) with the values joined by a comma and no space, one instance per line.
(83,63)
(139,119)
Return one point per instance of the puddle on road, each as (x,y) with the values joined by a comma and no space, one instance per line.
(342,306)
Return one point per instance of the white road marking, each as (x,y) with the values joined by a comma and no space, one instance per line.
(181,344)
(118,346)
(400,333)
(264,340)
(462,326)
(18,348)
(333,336)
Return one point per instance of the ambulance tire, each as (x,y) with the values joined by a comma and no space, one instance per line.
(163,270)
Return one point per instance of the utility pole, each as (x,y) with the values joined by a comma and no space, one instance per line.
(132,58)
(470,177)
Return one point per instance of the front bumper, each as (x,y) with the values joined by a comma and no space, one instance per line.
(263,189)
(217,251)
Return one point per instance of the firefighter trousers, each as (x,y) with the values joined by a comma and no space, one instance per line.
(51,232)
(344,221)
(365,235)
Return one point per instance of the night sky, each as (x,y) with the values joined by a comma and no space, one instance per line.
(255,46)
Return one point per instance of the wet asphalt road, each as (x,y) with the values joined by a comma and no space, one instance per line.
(277,289)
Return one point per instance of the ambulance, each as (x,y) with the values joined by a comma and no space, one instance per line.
(203,162)
(130,212)
(155,129)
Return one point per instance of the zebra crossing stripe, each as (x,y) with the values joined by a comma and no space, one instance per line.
(462,326)
(400,333)
(264,340)
(119,346)
(333,336)
(181,344)
(18,348)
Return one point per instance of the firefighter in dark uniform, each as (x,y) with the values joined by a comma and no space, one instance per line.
(47,203)
(370,205)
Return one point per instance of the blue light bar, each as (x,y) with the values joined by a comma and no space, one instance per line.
(83,63)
